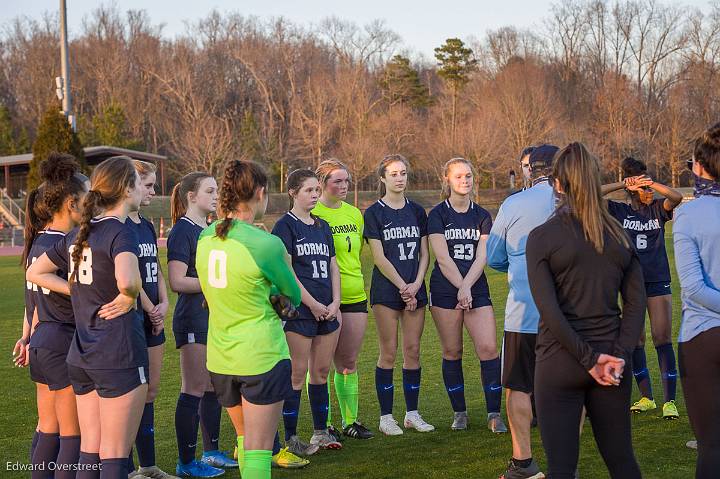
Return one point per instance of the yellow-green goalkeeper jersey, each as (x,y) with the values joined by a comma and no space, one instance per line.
(245,335)
(346,224)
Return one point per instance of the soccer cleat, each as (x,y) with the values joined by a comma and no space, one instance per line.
(460,421)
(137,475)
(334,433)
(325,440)
(643,405)
(692,444)
(413,420)
(287,460)
(196,468)
(496,424)
(300,448)
(358,431)
(670,410)
(514,471)
(219,459)
(154,472)
(389,426)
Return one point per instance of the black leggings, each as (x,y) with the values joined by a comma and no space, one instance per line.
(700,375)
(562,388)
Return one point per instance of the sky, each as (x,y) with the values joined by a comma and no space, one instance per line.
(423,25)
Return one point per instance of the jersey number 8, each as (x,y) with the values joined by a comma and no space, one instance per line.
(463,251)
(85,272)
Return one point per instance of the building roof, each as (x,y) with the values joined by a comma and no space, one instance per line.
(90,152)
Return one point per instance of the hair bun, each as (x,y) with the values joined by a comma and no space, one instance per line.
(58,168)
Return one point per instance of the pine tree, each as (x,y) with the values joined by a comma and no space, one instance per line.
(400,83)
(110,127)
(250,137)
(53,134)
(456,62)
(8,145)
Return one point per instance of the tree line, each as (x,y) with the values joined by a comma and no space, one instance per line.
(634,77)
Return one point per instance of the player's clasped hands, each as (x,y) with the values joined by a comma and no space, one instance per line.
(407,293)
(608,370)
(464,298)
(157,317)
(319,311)
(634,183)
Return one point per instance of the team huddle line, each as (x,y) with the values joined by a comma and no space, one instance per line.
(260,315)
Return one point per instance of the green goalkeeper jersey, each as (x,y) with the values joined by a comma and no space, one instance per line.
(346,224)
(245,335)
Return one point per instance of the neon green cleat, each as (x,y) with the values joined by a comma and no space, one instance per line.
(288,460)
(643,405)
(670,410)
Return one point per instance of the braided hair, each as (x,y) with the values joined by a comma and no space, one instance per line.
(61,179)
(108,185)
(239,183)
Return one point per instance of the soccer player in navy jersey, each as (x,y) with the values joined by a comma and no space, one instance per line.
(644,218)
(313,336)
(107,360)
(53,209)
(154,305)
(459,292)
(396,230)
(193,199)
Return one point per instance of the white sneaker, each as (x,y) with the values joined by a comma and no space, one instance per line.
(414,420)
(389,426)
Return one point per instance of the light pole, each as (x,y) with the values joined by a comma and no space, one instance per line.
(63,83)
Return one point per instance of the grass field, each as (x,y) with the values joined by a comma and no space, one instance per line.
(659,445)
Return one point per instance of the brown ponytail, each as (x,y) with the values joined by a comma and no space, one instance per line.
(240,181)
(108,185)
(179,197)
(36,217)
(61,179)
(578,173)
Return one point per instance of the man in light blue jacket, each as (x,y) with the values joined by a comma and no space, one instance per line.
(519,214)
